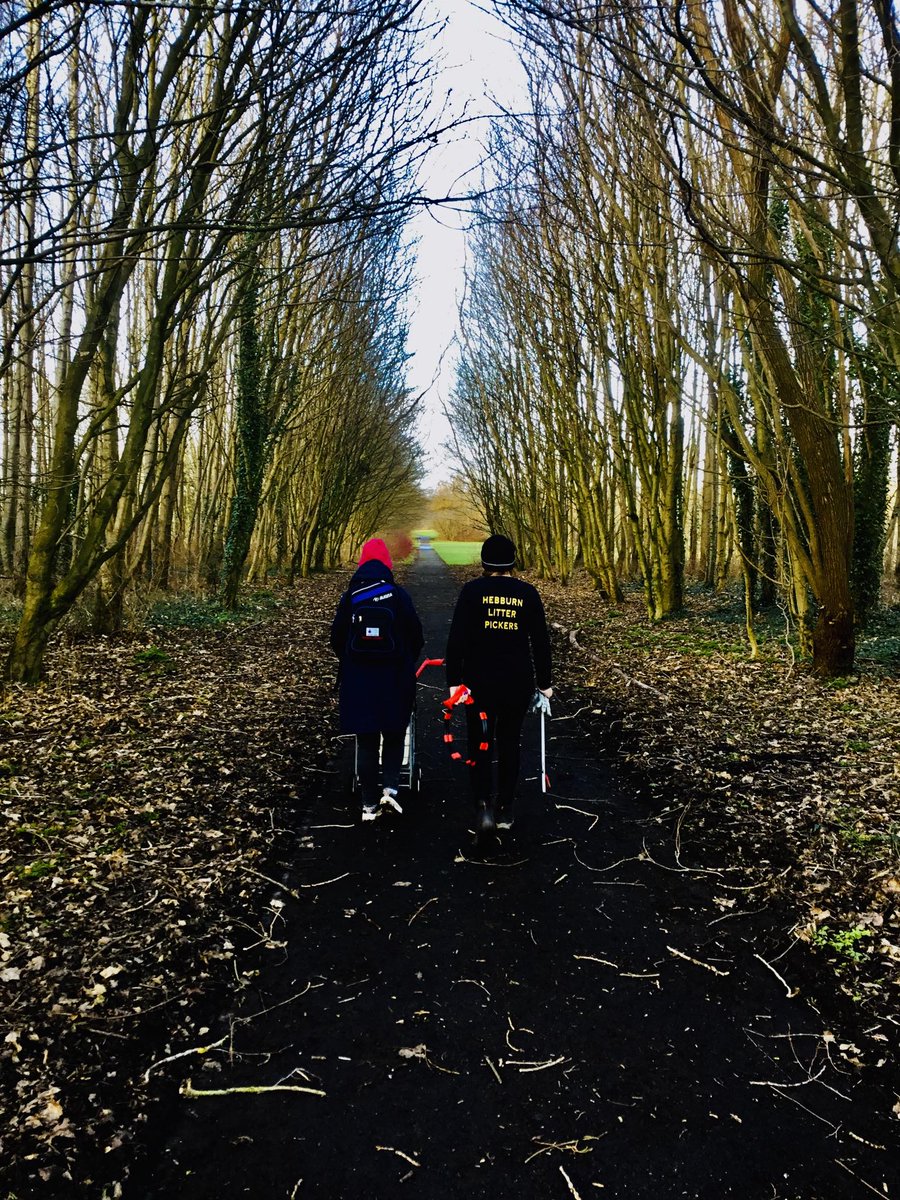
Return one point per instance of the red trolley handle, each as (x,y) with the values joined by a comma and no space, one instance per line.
(429,662)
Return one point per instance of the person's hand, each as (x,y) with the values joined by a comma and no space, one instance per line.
(540,701)
(548,692)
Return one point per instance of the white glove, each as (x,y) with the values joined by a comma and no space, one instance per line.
(540,703)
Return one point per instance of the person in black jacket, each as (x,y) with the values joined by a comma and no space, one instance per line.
(498,648)
(377,636)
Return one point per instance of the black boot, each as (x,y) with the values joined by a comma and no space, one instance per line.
(505,814)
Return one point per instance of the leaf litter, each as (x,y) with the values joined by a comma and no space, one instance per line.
(143,793)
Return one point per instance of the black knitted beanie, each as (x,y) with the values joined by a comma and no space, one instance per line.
(498,553)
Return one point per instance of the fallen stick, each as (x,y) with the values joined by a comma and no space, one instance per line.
(572,716)
(324,882)
(792,992)
(572,1187)
(437,1066)
(637,683)
(592,958)
(400,1154)
(595,817)
(420,908)
(696,961)
(477,983)
(193,1093)
(858,1178)
(778,1086)
(183,1054)
(281,886)
(553,1062)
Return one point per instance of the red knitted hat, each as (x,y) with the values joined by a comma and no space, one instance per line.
(375,549)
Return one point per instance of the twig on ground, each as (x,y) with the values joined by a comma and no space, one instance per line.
(778,1086)
(793,1099)
(859,1179)
(274,882)
(493,862)
(679,870)
(696,961)
(595,816)
(477,983)
(419,909)
(857,1138)
(400,1154)
(791,992)
(125,911)
(593,958)
(572,1146)
(572,1187)
(262,1012)
(325,882)
(193,1093)
(183,1054)
(539,1066)
(572,716)
(637,683)
(678,824)
(494,1070)
(437,1067)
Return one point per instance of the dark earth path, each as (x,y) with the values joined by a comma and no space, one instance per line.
(577,1016)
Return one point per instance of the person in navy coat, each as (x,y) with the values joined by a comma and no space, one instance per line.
(377,636)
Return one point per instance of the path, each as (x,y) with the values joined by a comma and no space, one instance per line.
(574,1021)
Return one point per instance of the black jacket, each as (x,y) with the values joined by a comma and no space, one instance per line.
(498,644)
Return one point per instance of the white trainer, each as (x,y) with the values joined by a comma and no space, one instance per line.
(389,800)
(370,812)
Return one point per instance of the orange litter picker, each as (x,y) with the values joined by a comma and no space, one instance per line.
(462,695)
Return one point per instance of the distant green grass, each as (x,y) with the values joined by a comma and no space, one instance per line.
(458,554)
(426,533)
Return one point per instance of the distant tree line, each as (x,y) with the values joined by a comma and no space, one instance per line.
(202,328)
(681,342)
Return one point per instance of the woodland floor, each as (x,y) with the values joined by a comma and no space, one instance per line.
(678,978)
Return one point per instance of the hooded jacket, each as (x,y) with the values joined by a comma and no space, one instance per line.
(377,687)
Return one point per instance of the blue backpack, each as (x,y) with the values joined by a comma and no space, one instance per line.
(372,622)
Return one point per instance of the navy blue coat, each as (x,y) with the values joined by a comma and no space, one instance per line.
(377,692)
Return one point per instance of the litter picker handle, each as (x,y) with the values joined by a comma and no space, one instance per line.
(545,778)
(429,662)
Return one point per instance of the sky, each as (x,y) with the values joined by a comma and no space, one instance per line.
(478,63)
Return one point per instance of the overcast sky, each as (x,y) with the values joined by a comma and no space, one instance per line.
(478,63)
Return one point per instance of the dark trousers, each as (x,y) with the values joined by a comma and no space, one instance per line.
(370,747)
(504,733)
